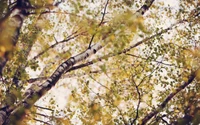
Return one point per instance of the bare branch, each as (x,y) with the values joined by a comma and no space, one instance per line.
(43,115)
(161,62)
(43,108)
(139,101)
(104,13)
(46,123)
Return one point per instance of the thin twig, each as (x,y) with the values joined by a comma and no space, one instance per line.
(99,83)
(102,19)
(104,13)
(42,121)
(43,115)
(139,101)
(164,121)
(168,98)
(70,37)
(147,59)
(44,108)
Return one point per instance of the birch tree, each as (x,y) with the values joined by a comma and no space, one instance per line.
(119,62)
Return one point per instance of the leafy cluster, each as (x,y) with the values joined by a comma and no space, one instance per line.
(148,64)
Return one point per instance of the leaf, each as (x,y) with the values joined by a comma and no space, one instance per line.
(96,106)
(103,68)
(64,121)
(198,75)
(97,116)
(185,79)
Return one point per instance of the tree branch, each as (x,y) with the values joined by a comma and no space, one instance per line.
(145,7)
(70,37)
(139,101)
(104,13)
(13,20)
(46,123)
(161,62)
(129,48)
(168,98)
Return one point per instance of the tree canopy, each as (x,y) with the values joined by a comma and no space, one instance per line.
(97,62)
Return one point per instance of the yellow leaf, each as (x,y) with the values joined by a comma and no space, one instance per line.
(84,121)
(112,37)
(66,122)
(185,79)
(97,116)
(95,106)
(106,119)
(198,74)
(2,51)
(177,111)
(117,102)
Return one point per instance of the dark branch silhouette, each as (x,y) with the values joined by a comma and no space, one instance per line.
(168,98)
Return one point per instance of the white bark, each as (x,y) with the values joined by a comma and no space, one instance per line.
(12,22)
